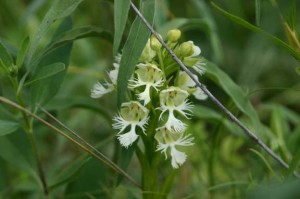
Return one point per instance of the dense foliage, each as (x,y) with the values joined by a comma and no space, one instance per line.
(52,53)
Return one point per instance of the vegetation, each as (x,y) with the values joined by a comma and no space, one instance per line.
(58,141)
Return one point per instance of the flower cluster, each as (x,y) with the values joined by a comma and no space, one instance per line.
(161,92)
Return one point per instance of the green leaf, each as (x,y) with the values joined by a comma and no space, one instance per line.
(6,60)
(120,18)
(236,94)
(280,189)
(44,90)
(253,28)
(7,127)
(69,173)
(292,16)
(268,165)
(92,180)
(257,12)
(133,47)
(79,33)
(204,11)
(46,72)
(211,115)
(58,10)
(82,102)
(298,70)
(22,52)
(294,163)
(10,153)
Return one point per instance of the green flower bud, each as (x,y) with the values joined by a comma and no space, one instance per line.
(190,61)
(186,49)
(174,35)
(148,54)
(154,43)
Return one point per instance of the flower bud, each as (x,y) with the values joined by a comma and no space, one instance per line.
(174,35)
(154,43)
(186,49)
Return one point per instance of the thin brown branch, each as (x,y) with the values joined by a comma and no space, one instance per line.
(83,145)
(248,132)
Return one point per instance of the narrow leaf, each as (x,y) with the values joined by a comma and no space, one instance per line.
(47,71)
(7,127)
(82,102)
(45,89)
(235,92)
(298,70)
(204,11)
(79,33)
(253,28)
(6,60)
(59,9)
(120,18)
(22,52)
(257,12)
(70,173)
(268,165)
(11,154)
(133,47)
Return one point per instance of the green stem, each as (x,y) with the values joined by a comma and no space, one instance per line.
(161,62)
(149,162)
(29,132)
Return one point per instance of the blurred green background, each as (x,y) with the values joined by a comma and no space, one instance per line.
(223,163)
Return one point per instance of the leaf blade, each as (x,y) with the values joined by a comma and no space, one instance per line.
(7,127)
(120,18)
(253,28)
(133,47)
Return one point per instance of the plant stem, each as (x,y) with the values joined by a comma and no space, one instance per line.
(29,132)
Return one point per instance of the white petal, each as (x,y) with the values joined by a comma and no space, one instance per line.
(145,95)
(120,124)
(113,75)
(174,124)
(128,138)
(178,157)
(197,51)
(99,90)
(199,94)
(199,68)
